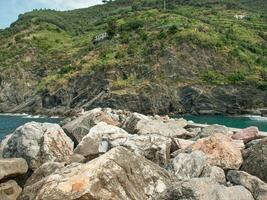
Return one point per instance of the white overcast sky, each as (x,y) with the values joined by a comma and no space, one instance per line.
(10,9)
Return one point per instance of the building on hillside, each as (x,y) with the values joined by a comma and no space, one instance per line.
(100,37)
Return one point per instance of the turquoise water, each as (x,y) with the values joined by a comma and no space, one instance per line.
(9,123)
(231,121)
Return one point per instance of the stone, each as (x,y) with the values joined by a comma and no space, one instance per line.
(255,160)
(3,144)
(43,171)
(247,134)
(80,127)
(203,189)
(214,129)
(220,150)
(256,186)
(130,123)
(89,146)
(77,158)
(157,127)
(189,165)
(12,167)
(118,174)
(153,147)
(215,173)
(39,143)
(182,143)
(9,190)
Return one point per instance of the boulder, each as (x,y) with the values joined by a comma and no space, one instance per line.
(214,129)
(189,165)
(12,167)
(182,143)
(39,143)
(43,171)
(153,147)
(91,143)
(215,173)
(80,127)
(157,127)
(9,190)
(247,134)
(3,144)
(256,186)
(255,160)
(118,174)
(203,189)
(130,123)
(220,150)
(77,158)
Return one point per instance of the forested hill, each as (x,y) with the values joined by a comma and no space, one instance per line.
(195,56)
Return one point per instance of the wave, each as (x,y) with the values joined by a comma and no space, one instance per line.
(256,117)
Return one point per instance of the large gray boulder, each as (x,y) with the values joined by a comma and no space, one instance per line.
(12,167)
(215,173)
(204,189)
(80,127)
(214,129)
(90,145)
(9,190)
(118,174)
(256,186)
(39,143)
(189,165)
(131,121)
(255,160)
(157,127)
(153,147)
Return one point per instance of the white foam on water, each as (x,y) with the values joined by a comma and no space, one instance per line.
(256,118)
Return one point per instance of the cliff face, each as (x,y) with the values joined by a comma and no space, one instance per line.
(194,57)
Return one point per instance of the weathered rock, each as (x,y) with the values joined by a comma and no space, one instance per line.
(130,123)
(118,174)
(80,127)
(247,134)
(157,127)
(189,165)
(220,150)
(3,144)
(38,143)
(255,160)
(9,190)
(78,158)
(43,171)
(153,147)
(12,167)
(204,189)
(215,173)
(182,143)
(214,129)
(89,146)
(256,186)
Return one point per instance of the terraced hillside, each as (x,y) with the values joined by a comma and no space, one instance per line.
(192,57)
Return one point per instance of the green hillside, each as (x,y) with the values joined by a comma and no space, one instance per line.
(52,55)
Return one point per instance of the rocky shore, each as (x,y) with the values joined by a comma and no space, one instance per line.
(119,155)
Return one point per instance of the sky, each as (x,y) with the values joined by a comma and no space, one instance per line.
(10,9)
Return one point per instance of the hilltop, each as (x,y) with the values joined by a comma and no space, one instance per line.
(193,57)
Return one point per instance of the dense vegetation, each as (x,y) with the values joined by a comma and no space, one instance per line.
(190,42)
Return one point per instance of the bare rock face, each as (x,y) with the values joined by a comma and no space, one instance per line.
(255,160)
(220,150)
(215,173)
(43,171)
(9,190)
(214,129)
(189,165)
(80,127)
(204,189)
(247,134)
(152,147)
(39,143)
(158,127)
(130,123)
(118,174)
(256,186)
(90,145)
(12,167)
